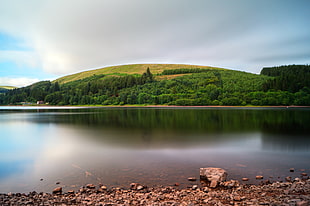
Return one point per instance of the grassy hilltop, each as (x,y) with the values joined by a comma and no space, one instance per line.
(7,87)
(171,84)
(132,69)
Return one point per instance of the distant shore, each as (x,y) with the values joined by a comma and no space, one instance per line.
(147,106)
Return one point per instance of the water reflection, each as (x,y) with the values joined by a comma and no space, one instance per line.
(285,142)
(116,146)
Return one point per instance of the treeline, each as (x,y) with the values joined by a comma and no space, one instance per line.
(205,87)
(90,90)
(290,78)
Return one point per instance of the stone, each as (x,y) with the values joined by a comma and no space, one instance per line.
(176,184)
(136,186)
(213,184)
(292,169)
(205,189)
(237,198)
(288,179)
(103,187)
(245,179)
(304,174)
(213,175)
(82,190)
(230,183)
(90,186)
(140,187)
(192,179)
(302,203)
(266,182)
(259,177)
(57,190)
(195,187)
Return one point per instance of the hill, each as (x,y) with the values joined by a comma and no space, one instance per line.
(132,69)
(165,84)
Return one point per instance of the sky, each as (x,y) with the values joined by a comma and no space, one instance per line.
(44,40)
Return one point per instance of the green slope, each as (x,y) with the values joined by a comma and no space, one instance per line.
(128,69)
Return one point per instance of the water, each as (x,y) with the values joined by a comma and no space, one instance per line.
(40,147)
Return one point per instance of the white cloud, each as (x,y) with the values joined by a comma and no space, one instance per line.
(17,82)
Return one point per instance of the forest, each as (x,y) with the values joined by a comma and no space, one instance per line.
(283,85)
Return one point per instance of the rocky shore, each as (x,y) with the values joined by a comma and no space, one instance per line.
(213,189)
(277,193)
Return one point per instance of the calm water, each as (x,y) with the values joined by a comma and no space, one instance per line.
(152,146)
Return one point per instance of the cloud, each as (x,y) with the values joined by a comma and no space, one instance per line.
(74,35)
(21,58)
(17,82)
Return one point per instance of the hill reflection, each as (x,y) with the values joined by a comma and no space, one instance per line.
(166,127)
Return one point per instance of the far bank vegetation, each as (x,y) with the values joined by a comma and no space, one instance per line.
(283,85)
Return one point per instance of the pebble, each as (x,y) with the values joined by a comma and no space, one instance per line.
(303,203)
(57,190)
(90,186)
(192,179)
(237,198)
(195,187)
(259,177)
(104,187)
(140,187)
(205,189)
(176,184)
(292,169)
(136,186)
(245,179)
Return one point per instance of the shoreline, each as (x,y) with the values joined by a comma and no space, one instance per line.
(144,106)
(295,192)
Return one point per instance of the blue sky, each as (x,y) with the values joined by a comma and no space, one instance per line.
(43,40)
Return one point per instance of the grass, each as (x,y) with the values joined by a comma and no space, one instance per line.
(8,87)
(128,69)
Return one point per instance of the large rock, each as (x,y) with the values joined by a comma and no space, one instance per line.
(213,175)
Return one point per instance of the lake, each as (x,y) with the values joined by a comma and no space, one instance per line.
(42,146)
